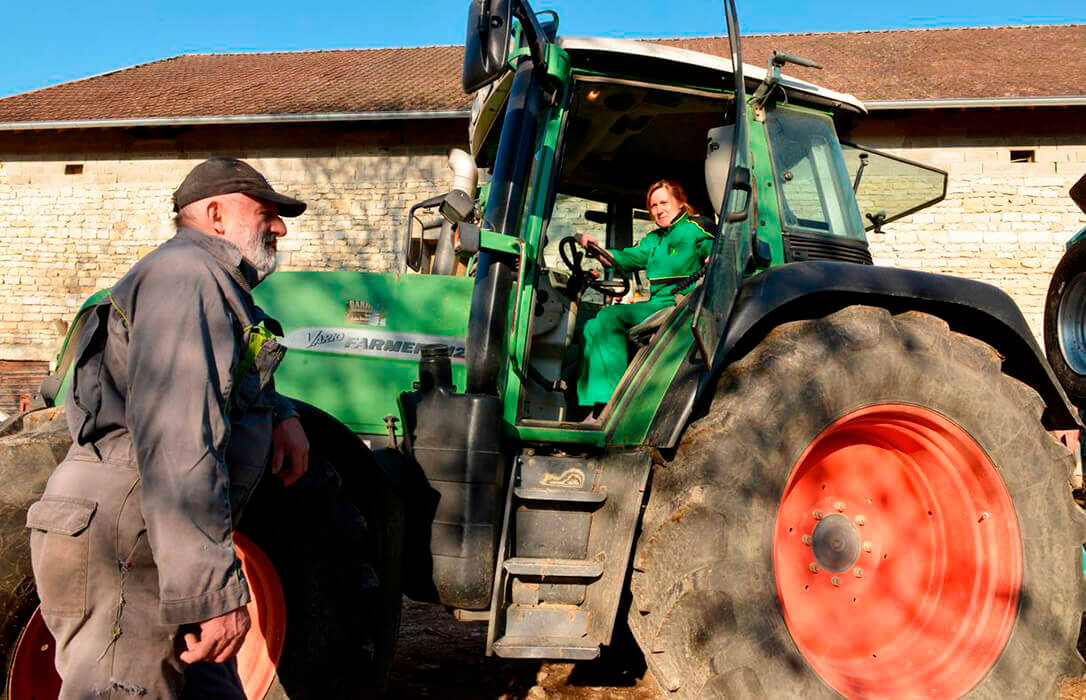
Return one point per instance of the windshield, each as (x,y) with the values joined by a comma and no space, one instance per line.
(815,191)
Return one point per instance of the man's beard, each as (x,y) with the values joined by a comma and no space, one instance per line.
(259,252)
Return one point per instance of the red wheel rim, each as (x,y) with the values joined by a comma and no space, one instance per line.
(33,672)
(259,655)
(897,556)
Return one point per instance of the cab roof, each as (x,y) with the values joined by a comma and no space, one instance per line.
(668,64)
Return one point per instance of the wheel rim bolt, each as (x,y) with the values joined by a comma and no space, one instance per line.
(806,539)
(840,506)
(835,581)
(861,520)
(984,516)
(817,515)
(813,566)
(858,572)
(868,547)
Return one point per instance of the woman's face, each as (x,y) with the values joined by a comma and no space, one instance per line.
(663,206)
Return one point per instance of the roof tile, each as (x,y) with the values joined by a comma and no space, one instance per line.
(884,65)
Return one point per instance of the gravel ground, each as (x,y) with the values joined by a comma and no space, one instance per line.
(438,657)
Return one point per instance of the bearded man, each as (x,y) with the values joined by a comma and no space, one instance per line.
(174,418)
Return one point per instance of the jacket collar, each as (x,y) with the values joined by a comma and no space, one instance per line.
(679,218)
(225,253)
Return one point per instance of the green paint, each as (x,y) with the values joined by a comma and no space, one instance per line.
(66,355)
(361,390)
(498,242)
(769,204)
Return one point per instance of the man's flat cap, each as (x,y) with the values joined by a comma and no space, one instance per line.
(229,175)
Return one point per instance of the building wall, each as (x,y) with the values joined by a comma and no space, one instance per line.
(63,236)
(1002,222)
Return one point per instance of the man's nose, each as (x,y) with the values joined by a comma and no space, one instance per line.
(279,227)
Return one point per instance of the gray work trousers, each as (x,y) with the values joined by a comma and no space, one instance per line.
(98,586)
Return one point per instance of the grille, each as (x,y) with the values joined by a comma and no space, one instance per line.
(798,247)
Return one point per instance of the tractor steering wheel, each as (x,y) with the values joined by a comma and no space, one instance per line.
(579,280)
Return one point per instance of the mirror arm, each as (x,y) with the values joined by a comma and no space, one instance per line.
(773,75)
(533,32)
(536,39)
(859,173)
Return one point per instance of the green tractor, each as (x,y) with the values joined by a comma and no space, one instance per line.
(817,478)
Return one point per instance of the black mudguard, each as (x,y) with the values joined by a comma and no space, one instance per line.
(809,290)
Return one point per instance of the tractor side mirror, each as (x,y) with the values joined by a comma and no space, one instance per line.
(487,43)
(1078,193)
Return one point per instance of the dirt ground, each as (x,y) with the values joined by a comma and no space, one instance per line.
(439,657)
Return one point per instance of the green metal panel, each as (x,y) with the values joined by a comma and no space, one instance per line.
(71,339)
(638,405)
(769,216)
(354,337)
(532,225)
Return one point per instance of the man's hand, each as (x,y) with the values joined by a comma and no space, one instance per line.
(289,444)
(217,639)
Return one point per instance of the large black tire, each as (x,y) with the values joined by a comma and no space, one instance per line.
(706,609)
(1065,322)
(28,456)
(336,550)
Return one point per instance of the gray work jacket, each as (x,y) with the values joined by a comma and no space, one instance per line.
(155,367)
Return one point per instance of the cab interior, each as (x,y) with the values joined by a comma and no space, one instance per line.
(621,137)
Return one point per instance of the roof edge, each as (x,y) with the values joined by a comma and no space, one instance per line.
(977,102)
(227,119)
(85,78)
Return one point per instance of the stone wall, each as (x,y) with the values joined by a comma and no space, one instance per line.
(1002,222)
(65,235)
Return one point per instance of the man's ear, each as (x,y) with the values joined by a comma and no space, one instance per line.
(216,210)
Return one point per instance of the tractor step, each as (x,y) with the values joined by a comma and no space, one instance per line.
(569,649)
(559,494)
(554,568)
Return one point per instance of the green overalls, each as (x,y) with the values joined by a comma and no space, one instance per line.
(669,255)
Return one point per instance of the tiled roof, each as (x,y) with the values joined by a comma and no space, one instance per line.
(925,64)
(991,62)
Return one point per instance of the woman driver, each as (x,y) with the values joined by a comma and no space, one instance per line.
(669,254)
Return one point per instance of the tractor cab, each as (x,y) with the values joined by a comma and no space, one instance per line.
(573,151)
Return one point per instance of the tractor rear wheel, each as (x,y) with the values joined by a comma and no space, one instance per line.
(340,574)
(323,624)
(869,509)
(1065,322)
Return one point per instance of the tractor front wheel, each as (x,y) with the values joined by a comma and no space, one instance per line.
(870,509)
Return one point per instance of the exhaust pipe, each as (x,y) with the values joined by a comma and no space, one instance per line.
(465,174)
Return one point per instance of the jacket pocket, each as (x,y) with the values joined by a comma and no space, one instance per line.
(59,551)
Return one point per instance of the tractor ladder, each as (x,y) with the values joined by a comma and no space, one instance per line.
(567,534)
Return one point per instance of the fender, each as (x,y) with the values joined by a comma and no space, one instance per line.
(808,290)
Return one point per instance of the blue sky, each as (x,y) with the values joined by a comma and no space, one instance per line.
(47,42)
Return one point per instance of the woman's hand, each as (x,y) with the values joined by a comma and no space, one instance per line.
(583,239)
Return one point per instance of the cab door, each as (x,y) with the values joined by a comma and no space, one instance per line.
(732,249)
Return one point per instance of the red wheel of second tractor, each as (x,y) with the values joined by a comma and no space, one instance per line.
(33,675)
(897,555)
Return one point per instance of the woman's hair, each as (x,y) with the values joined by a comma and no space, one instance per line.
(676,191)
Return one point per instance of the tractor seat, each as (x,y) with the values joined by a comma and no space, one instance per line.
(642,333)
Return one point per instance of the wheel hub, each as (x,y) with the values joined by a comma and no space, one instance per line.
(835,543)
